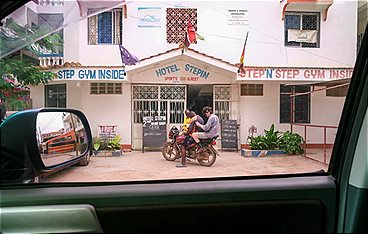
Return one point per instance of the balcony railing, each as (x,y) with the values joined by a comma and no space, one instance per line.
(51,2)
(50,60)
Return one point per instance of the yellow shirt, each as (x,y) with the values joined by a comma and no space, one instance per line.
(186,123)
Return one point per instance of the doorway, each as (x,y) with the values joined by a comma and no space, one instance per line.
(199,96)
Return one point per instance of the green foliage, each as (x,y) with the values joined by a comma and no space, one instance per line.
(268,141)
(21,36)
(271,140)
(114,143)
(291,143)
(96,143)
(106,144)
(16,76)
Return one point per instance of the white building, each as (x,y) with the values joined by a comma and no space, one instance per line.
(170,78)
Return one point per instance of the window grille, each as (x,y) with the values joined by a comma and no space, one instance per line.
(302,21)
(222,99)
(177,22)
(105,28)
(106,88)
(155,100)
(55,95)
(251,90)
(297,106)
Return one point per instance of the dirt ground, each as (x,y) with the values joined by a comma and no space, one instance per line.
(136,166)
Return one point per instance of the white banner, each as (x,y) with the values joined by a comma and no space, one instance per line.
(94,74)
(309,36)
(149,17)
(237,17)
(295,74)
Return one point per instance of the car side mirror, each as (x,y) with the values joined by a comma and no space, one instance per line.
(39,142)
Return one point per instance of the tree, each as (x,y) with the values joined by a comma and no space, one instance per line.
(17,75)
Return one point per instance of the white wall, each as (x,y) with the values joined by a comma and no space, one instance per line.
(265,46)
(108,110)
(99,109)
(37,94)
(262,111)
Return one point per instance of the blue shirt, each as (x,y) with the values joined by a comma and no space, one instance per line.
(212,126)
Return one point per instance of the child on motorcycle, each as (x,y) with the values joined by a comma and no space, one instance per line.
(191,129)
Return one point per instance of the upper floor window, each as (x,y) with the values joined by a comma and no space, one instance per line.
(302,29)
(105,28)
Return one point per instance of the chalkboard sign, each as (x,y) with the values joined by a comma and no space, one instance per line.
(229,134)
(154,131)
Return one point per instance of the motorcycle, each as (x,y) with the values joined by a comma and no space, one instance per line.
(171,150)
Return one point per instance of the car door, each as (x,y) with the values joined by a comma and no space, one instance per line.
(332,201)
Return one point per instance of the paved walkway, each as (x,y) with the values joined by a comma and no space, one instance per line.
(137,166)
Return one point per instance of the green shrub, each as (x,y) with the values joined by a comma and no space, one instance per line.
(290,143)
(268,141)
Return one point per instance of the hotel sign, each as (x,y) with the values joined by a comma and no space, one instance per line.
(295,74)
(173,73)
(112,74)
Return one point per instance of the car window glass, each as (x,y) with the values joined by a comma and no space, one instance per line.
(267,79)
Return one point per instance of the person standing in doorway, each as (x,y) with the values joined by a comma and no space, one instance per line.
(210,128)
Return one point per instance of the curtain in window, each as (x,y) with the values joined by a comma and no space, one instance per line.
(105,28)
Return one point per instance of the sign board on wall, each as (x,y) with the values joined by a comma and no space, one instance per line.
(229,134)
(237,17)
(174,72)
(154,131)
(149,17)
(296,74)
(94,74)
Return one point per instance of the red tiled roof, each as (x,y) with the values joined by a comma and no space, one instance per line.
(180,48)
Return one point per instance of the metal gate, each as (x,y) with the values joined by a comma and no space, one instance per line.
(156,100)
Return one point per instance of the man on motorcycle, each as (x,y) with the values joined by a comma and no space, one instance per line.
(210,128)
(194,118)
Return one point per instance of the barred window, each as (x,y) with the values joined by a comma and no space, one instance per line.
(105,28)
(306,25)
(106,88)
(251,90)
(155,100)
(296,108)
(55,95)
(337,92)
(222,101)
(177,22)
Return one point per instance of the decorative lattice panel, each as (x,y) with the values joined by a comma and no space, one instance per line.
(177,21)
(172,92)
(145,92)
(222,93)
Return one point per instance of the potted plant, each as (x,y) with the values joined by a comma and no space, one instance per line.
(96,145)
(291,142)
(274,142)
(114,144)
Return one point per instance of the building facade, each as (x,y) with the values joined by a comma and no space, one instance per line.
(292,48)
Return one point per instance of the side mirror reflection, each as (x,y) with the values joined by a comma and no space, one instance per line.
(60,137)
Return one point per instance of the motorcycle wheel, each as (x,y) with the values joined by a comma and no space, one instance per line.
(211,158)
(170,151)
